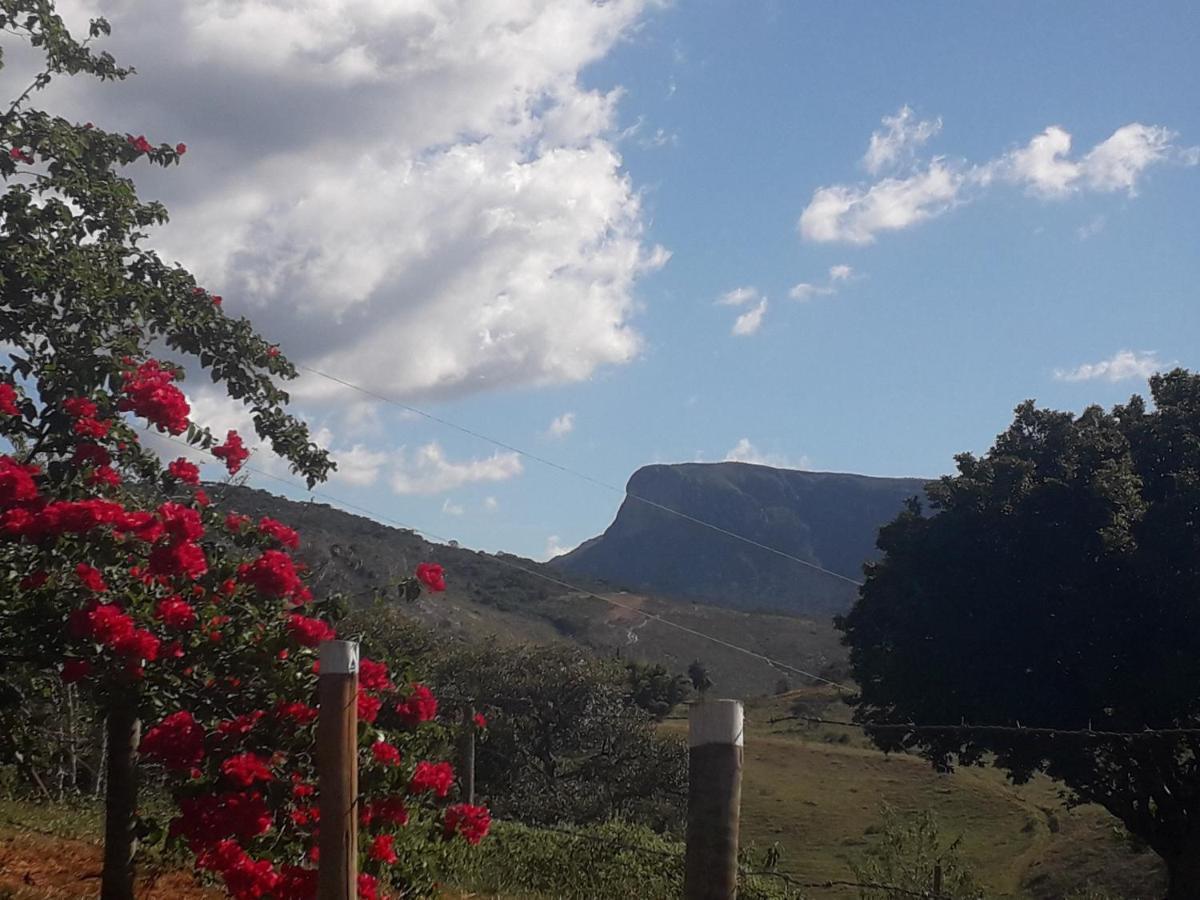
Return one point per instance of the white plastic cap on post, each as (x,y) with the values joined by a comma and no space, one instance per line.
(715,722)
(338,657)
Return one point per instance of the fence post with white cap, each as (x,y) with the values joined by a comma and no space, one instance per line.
(337,771)
(715,739)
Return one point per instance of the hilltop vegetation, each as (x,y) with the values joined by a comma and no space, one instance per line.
(502,597)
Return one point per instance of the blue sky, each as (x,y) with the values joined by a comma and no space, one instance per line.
(706,129)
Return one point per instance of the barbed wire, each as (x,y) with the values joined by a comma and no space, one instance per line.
(1170,731)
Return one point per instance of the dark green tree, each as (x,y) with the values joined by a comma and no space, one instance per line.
(656,689)
(1055,583)
(698,674)
(565,742)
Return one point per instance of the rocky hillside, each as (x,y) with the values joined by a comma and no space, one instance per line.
(828,519)
(509,599)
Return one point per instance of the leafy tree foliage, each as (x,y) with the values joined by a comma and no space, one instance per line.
(656,689)
(565,742)
(121,578)
(1055,584)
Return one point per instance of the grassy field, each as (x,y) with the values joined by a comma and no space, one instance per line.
(818,791)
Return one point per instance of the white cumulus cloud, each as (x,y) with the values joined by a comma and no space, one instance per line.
(1121,366)
(738,296)
(1045,167)
(450,508)
(745,451)
(749,322)
(561,426)
(898,140)
(422,197)
(427,470)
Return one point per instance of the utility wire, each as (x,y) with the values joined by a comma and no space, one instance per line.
(378,516)
(583,476)
(993,729)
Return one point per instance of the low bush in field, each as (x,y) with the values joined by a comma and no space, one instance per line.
(596,862)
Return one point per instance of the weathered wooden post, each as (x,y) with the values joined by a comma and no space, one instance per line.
(715,737)
(337,771)
(123,730)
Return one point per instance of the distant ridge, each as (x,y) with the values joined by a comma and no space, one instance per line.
(829,519)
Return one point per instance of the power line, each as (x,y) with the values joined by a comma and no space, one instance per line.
(581,475)
(993,729)
(507,563)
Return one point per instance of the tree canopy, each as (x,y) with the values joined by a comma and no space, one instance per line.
(1054,583)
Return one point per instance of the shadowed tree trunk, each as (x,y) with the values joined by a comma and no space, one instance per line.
(123,731)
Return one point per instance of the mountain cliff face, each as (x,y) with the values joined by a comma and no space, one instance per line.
(828,519)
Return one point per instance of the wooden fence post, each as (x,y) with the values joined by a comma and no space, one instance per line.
(337,771)
(467,753)
(714,800)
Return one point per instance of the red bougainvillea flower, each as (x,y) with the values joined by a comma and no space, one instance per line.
(178,559)
(368,706)
(175,612)
(388,811)
(272,352)
(432,576)
(184,470)
(368,887)
(472,822)
(104,476)
(139,644)
(74,670)
(280,532)
(297,712)
(309,632)
(480,721)
(181,148)
(217,299)
(208,818)
(382,849)
(139,143)
(150,392)
(272,574)
(240,726)
(373,676)
(246,768)
(233,452)
(34,580)
(19,155)
(244,877)
(8,400)
(16,482)
(177,742)
(385,754)
(90,455)
(421,706)
(90,578)
(430,776)
(235,521)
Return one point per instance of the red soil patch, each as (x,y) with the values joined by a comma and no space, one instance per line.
(40,867)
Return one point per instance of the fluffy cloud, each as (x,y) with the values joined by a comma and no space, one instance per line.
(561,426)
(746,452)
(427,470)
(738,296)
(898,140)
(420,197)
(806,290)
(554,547)
(1122,366)
(855,214)
(451,509)
(749,322)
(858,213)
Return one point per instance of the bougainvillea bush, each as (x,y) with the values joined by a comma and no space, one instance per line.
(189,628)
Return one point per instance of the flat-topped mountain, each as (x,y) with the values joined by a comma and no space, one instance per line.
(827,519)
